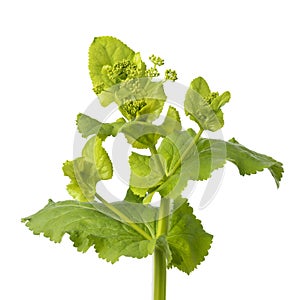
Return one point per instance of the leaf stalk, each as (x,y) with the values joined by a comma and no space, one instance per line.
(124,218)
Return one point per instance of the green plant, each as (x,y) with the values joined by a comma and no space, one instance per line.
(133,227)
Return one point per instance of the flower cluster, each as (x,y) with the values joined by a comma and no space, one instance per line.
(130,108)
(171,75)
(211,97)
(156,60)
(152,72)
(122,71)
(98,89)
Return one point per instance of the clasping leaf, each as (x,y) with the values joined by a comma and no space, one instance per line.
(203,106)
(84,172)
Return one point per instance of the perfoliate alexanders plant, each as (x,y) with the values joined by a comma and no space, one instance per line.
(133,227)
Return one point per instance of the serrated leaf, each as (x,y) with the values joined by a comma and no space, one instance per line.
(200,112)
(168,171)
(83,176)
(141,135)
(93,224)
(151,110)
(155,97)
(88,126)
(172,121)
(181,162)
(84,172)
(140,99)
(88,226)
(132,197)
(214,153)
(187,240)
(163,246)
(250,162)
(200,85)
(106,50)
(203,106)
(212,156)
(94,152)
(137,59)
(173,149)
(145,173)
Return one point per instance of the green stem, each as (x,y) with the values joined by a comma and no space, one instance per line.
(160,261)
(163,217)
(124,218)
(160,275)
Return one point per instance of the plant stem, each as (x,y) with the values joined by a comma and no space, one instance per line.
(160,275)
(124,218)
(160,261)
(163,217)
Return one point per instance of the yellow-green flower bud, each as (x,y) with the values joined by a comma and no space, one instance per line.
(171,75)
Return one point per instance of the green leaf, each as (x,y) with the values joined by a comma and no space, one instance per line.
(96,154)
(174,148)
(162,244)
(251,162)
(93,224)
(84,172)
(219,101)
(87,226)
(141,134)
(132,197)
(187,240)
(172,121)
(140,99)
(88,126)
(154,95)
(139,166)
(137,59)
(106,50)
(109,95)
(145,173)
(200,85)
(168,171)
(111,65)
(214,153)
(203,106)
(200,112)
(212,156)
(148,198)
(83,176)
(181,162)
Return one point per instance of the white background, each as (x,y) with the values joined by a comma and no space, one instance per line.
(248,47)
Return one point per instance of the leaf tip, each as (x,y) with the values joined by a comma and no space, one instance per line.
(78,118)
(24,220)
